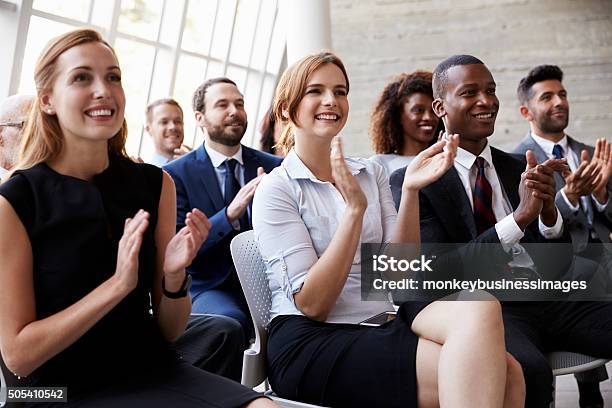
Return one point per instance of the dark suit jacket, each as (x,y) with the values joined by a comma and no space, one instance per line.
(576,222)
(446,217)
(197,187)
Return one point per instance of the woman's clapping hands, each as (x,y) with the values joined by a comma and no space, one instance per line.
(183,247)
(344,180)
(431,163)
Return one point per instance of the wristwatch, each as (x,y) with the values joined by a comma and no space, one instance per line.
(183,290)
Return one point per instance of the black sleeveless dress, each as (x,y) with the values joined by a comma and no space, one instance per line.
(74,227)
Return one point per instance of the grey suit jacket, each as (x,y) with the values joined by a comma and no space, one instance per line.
(576,222)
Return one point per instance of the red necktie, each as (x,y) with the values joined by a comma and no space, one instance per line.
(483,196)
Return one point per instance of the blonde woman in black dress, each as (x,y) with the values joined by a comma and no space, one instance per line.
(93,274)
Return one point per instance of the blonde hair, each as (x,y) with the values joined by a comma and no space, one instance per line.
(290,91)
(42,137)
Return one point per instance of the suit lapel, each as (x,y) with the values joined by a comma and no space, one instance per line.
(251,162)
(457,198)
(506,173)
(208,178)
(541,157)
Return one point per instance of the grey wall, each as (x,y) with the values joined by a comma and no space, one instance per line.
(379,39)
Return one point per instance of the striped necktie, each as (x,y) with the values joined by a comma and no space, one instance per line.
(483,199)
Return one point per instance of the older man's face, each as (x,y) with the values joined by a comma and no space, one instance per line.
(13,114)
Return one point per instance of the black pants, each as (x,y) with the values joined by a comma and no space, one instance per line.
(213,343)
(536,328)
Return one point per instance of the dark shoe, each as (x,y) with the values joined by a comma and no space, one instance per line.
(590,395)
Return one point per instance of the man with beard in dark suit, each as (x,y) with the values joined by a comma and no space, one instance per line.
(583,195)
(219,178)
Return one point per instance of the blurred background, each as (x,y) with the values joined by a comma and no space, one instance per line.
(169,47)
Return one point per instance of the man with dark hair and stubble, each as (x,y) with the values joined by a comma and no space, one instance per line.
(492,197)
(219,178)
(583,195)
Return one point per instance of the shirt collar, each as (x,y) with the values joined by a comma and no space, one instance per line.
(159,160)
(296,169)
(548,146)
(217,158)
(3,171)
(467,159)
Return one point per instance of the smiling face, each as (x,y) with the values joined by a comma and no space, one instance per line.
(418,119)
(324,107)
(224,116)
(548,108)
(166,128)
(86,95)
(469,105)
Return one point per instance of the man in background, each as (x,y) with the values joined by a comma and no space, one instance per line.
(583,195)
(165,126)
(14,112)
(219,178)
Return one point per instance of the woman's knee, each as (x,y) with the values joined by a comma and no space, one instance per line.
(515,380)
(480,316)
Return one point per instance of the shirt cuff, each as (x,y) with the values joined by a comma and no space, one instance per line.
(508,232)
(551,232)
(235,225)
(571,206)
(600,207)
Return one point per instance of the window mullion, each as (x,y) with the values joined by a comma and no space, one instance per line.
(153,67)
(231,39)
(265,69)
(176,52)
(210,43)
(112,30)
(22,37)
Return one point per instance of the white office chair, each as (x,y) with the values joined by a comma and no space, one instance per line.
(565,362)
(3,390)
(252,274)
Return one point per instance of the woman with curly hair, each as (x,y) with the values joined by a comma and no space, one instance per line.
(403,122)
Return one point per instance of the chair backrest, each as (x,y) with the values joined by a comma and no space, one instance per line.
(252,274)
(3,384)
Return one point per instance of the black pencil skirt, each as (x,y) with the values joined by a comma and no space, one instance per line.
(174,384)
(345,365)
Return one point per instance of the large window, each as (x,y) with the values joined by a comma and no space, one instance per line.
(168,48)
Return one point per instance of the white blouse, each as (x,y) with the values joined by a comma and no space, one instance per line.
(295,216)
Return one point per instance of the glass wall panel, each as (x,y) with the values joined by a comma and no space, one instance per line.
(140,18)
(75,9)
(199,25)
(41,30)
(189,75)
(262,37)
(244,30)
(136,60)
(223,29)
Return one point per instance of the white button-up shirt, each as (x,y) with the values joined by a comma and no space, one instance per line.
(295,216)
(507,229)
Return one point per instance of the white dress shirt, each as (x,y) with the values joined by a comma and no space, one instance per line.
(295,216)
(3,172)
(507,229)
